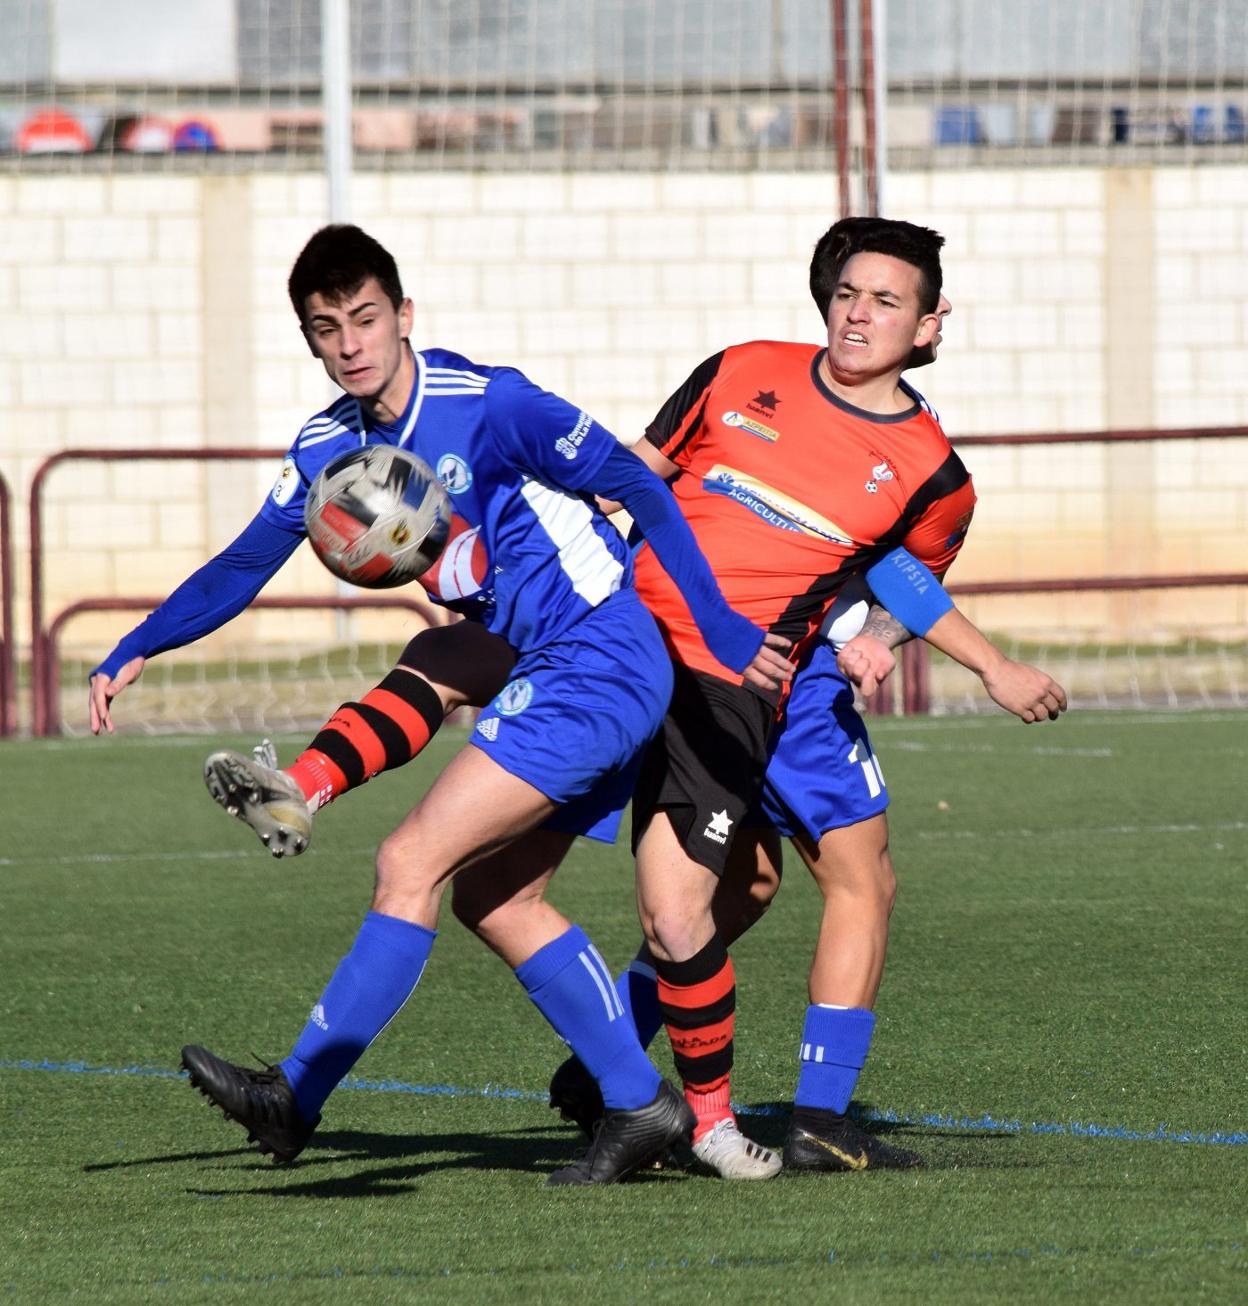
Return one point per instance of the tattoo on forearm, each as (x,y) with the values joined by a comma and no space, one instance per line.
(881,624)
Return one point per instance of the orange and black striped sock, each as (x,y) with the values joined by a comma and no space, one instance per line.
(386,728)
(698,999)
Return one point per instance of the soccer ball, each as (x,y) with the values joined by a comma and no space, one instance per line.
(377,516)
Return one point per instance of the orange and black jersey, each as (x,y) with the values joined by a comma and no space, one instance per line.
(788,489)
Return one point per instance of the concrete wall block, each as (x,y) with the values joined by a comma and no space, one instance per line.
(31,240)
(1222,276)
(1035,234)
(547,331)
(106,240)
(178,240)
(720,326)
(1197,409)
(697,192)
(475,238)
(703,283)
(157,381)
(422,193)
(656,236)
(975,189)
(1002,326)
(1174,188)
(448,285)
(977,373)
(179,335)
(552,372)
(126,526)
(1222,462)
(906,195)
(1083,231)
(755,235)
(114,427)
(1197,230)
(277,380)
(1065,188)
(786,191)
(1068,371)
(1175,276)
(276,239)
(58,196)
(1065,279)
(42,384)
(613,376)
(8,288)
(579,239)
(8,194)
(609,284)
(676,330)
(513,286)
(41,288)
(33,336)
(981,281)
(152,194)
(115,335)
(544,192)
(1222,186)
(1080,326)
(180,424)
(150,286)
(597,192)
(485,337)
(777,281)
(1221,371)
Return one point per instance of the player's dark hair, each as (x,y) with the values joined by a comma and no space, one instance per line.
(335,263)
(918,246)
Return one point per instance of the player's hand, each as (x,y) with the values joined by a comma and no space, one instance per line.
(771,668)
(104,690)
(866,661)
(1031,694)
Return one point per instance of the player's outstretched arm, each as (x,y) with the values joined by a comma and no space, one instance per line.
(216,593)
(1026,691)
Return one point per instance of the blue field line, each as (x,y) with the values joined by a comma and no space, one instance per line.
(1163,1133)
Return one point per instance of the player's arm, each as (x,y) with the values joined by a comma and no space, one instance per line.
(567,448)
(206,600)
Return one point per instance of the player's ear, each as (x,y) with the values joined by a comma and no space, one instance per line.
(407,315)
(929,324)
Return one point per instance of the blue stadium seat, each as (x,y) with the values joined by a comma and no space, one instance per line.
(958,124)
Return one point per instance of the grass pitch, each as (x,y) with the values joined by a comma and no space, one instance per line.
(1062,1033)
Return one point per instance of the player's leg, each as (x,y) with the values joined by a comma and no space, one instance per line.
(474,806)
(697,783)
(825,789)
(441,669)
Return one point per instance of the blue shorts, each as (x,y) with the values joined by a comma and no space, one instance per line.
(822,773)
(576,715)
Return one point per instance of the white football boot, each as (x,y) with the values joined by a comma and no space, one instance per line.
(268,800)
(727,1152)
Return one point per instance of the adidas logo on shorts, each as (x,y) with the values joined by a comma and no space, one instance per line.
(488,728)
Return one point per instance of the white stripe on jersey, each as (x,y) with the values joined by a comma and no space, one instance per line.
(586,560)
(434,389)
(306,443)
(436,373)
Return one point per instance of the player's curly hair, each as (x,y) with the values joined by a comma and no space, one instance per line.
(335,263)
(918,246)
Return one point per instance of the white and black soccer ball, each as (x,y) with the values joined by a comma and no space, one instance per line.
(377,516)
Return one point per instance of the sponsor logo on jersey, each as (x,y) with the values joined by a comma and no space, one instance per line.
(765,402)
(773,506)
(570,445)
(734,418)
(880,472)
(717,827)
(454,473)
(515,697)
(488,728)
(317,1016)
(286,484)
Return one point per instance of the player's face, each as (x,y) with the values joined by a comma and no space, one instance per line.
(362,342)
(875,319)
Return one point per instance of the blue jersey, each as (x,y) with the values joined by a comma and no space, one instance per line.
(529,553)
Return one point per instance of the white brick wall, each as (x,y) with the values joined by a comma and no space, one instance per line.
(609,288)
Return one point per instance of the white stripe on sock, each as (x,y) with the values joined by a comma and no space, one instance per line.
(603,989)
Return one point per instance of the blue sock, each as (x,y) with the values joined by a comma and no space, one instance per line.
(362,997)
(638,987)
(571,986)
(835,1041)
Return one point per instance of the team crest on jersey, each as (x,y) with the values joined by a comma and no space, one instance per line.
(961,526)
(734,418)
(515,697)
(880,472)
(454,473)
(286,484)
(461,570)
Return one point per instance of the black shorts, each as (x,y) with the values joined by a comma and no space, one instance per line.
(705,766)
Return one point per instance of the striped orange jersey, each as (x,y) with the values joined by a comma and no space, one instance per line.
(788,489)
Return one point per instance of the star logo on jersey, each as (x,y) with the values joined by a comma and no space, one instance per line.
(764,402)
(717,827)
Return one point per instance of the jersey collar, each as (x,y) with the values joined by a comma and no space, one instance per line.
(884,419)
